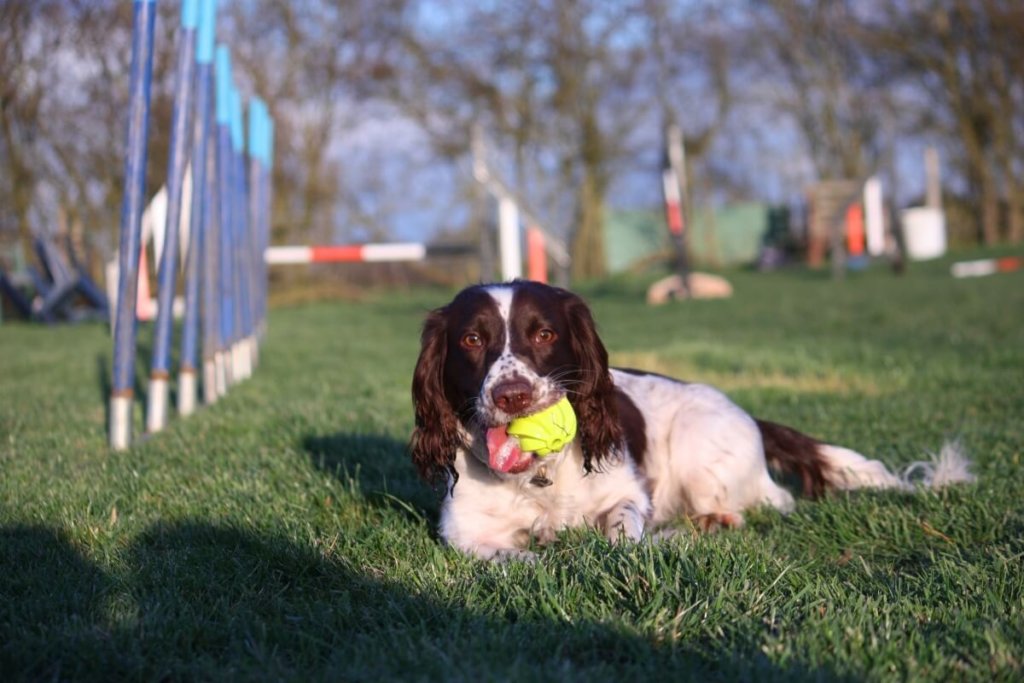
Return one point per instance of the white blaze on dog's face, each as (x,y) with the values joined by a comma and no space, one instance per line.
(520,382)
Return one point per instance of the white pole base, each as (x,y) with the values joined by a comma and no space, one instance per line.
(186,392)
(120,422)
(246,352)
(238,361)
(236,364)
(254,351)
(509,237)
(209,381)
(156,404)
(220,361)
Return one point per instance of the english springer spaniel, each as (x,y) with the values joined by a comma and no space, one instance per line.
(648,450)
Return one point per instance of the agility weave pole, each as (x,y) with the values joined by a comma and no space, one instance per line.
(144,17)
(201,162)
(228,221)
(156,406)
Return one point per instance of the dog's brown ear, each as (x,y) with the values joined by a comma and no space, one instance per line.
(436,437)
(594,401)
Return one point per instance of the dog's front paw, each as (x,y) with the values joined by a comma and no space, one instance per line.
(718,520)
(624,523)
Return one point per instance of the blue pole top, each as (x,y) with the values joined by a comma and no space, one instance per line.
(255,125)
(237,132)
(223,96)
(189,13)
(207,30)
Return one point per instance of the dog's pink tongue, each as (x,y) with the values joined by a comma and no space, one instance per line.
(504,452)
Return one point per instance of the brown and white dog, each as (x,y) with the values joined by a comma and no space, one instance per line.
(648,449)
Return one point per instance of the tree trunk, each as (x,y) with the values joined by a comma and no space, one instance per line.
(989,208)
(1015,219)
(980,171)
(22,182)
(588,255)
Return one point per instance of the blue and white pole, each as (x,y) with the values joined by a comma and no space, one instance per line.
(159,375)
(268,206)
(248,281)
(225,215)
(257,166)
(266,209)
(262,187)
(241,368)
(121,397)
(213,384)
(265,180)
(187,377)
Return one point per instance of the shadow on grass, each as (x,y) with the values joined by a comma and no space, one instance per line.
(194,600)
(380,466)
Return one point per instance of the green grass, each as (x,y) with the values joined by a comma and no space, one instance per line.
(282,533)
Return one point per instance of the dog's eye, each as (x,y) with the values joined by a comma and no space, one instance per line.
(544,336)
(472,340)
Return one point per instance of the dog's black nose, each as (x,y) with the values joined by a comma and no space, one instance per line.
(513,396)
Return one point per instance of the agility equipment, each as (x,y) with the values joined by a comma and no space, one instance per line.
(673,187)
(220,225)
(986,266)
(156,407)
(360,253)
(144,17)
(512,215)
(202,160)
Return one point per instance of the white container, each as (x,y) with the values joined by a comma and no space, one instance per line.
(874,216)
(924,232)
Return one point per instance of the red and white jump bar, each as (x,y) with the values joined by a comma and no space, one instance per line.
(987,266)
(359,253)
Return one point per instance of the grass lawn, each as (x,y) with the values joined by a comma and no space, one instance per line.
(282,533)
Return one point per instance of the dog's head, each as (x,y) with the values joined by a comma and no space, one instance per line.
(498,352)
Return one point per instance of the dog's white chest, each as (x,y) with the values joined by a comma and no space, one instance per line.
(555,496)
(550,503)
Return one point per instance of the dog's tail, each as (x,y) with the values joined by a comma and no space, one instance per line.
(821,467)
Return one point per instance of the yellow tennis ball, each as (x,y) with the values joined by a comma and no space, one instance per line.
(545,432)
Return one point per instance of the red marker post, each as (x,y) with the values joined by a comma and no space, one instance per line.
(673,183)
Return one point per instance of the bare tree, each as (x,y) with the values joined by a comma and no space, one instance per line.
(573,94)
(967,56)
(62,120)
(30,33)
(560,85)
(310,62)
(814,52)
